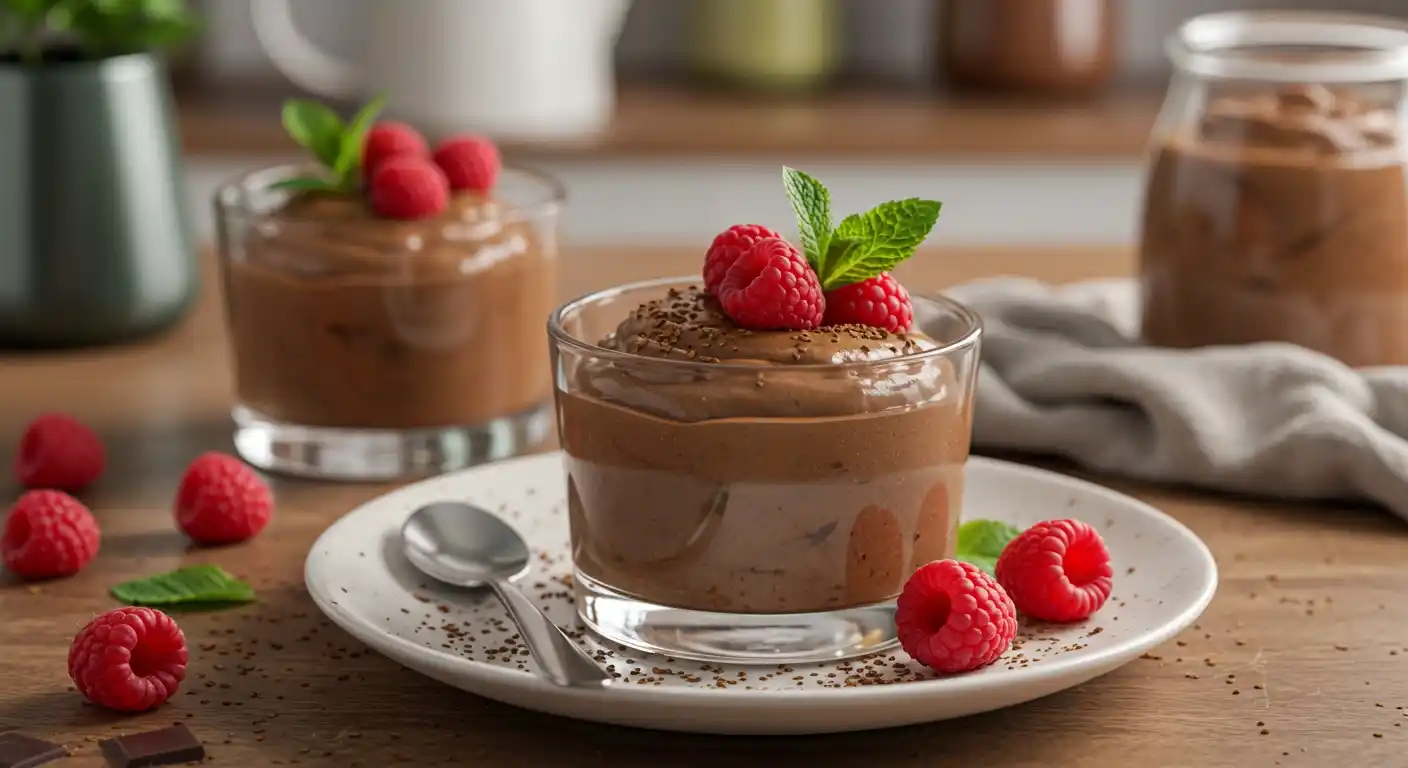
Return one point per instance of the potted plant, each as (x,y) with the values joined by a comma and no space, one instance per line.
(95,240)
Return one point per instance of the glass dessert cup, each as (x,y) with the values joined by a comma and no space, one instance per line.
(368,348)
(1276,203)
(756,513)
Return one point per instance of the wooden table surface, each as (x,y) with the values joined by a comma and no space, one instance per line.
(1300,660)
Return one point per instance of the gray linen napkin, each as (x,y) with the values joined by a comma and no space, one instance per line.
(1063,373)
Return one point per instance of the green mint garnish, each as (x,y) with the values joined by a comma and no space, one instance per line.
(864,244)
(336,145)
(198,584)
(980,542)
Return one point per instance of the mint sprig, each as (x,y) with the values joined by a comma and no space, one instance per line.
(980,542)
(338,146)
(195,585)
(863,245)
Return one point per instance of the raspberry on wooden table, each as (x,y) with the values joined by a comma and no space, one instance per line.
(48,534)
(222,501)
(771,287)
(725,250)
(389,138)
(129,659)
(953,617)
(408,187)
(60,452)
(880,302)
(469,162)
(1057,570)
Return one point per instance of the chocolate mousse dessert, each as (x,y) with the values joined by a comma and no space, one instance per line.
(777,440)
(391,290)
(1281,217)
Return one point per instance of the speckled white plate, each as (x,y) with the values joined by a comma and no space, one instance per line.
(1164,578)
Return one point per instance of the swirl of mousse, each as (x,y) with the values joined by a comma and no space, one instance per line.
(690,326)
(323,235)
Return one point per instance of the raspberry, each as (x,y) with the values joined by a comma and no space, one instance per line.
(952,617)
(389,138)
(408,187)
(771,287)
(1058,570)
(49,534)
(880,302)
(725,250)
(469,162)
(129,659)
(59,452)
(222,501)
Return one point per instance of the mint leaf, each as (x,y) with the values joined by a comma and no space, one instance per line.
(316,128)
(812,203)
(980,542)
(353,142)
(301,184)
(873,242)
(187,586)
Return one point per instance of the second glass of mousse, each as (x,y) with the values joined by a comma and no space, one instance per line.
(752,494)
(390,326)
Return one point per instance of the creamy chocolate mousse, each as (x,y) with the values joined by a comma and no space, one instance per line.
(765,471)
(342,318)
(1281,217)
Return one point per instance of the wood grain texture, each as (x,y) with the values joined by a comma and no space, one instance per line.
(1300,660)
(653,120)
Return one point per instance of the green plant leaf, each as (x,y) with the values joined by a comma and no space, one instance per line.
(353,142)
(812,204)
(981,542)
(305,184)
(195,584)
(870,243)
(315,127)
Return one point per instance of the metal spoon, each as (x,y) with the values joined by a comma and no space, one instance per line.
(466,546)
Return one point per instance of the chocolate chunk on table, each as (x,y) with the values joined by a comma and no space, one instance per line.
(166,746)
(20,751)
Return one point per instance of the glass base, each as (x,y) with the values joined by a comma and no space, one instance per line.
(367,455)
(734,638)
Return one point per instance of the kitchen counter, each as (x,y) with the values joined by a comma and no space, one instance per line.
(1301,659)
(655,120)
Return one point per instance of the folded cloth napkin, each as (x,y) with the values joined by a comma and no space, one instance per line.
(1063,373)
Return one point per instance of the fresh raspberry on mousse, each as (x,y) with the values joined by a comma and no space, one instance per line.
(880,302)
(771,287)
(389,138)
(725,250)
(469,162)
(409,187)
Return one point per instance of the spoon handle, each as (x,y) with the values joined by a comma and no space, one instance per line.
(560,660)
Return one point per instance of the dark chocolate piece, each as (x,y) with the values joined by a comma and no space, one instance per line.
(20,751)
(166,746)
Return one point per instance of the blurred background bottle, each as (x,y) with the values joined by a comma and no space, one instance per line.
(1030,47)
(772,45)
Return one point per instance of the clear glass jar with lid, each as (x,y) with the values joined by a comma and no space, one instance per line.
(1276,204)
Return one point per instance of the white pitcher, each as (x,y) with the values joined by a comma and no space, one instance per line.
(519,69)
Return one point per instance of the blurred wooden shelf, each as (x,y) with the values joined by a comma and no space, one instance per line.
(655,121)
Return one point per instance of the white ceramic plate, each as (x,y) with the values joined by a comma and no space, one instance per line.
(1164,578)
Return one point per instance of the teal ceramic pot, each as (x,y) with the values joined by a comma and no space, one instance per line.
(95,240)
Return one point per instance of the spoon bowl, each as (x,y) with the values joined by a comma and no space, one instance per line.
(468,546)
(463,545)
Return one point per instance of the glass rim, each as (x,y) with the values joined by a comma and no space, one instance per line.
(1379,46)
(229,193)
(967,339)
